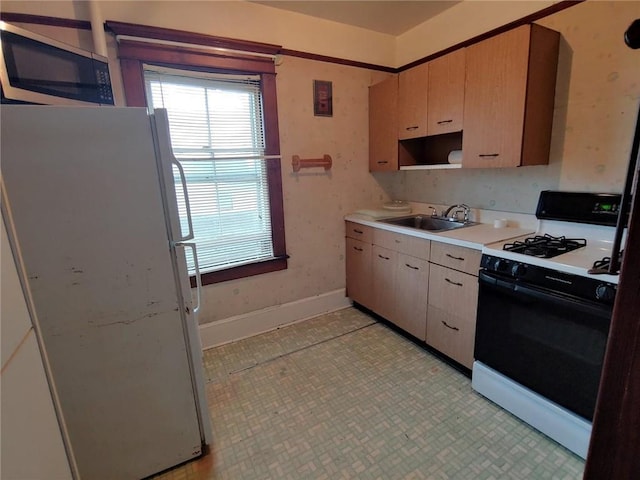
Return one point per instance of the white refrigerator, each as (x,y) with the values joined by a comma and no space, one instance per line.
(89,201)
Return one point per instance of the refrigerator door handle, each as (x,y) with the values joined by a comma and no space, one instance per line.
(183,181)
(193,248)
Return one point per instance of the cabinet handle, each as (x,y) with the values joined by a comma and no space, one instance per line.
(358,231)
(449,326)
(382,162)
(455,258)
(488,155)
(453,283)
(384,258)
(444,121)
(415,127)
(358,249)
(411,266)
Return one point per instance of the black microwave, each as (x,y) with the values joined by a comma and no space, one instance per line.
(39,70)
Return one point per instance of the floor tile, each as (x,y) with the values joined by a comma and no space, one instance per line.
(343,396)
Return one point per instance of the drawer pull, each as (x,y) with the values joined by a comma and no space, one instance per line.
(358,231)
(383,257)
(382,162)
(411,266)
(415,127)
(358,249)
(453,283)
(488,155)
(455,258)
(444,121)
(449,326)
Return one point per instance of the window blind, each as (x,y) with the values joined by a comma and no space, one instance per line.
(217,135)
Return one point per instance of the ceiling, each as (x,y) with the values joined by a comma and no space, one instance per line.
(393,17)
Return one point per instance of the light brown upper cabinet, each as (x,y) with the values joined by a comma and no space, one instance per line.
(509,96)
(446,93)
(383,125)
(412,102)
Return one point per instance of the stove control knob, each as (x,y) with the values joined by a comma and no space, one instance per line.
(605,292)
(500,265)
(518,270)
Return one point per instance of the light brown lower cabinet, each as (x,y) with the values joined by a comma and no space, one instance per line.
(451,316)
(358,270)
(383,275)
(412,284)
(428,289)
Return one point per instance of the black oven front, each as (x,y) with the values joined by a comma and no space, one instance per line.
(544,329)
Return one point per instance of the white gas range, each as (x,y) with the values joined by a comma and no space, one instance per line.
(543,316)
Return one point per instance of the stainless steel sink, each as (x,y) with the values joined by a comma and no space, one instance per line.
(429,223)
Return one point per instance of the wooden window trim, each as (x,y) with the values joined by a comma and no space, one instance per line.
(181,36)
(134,54)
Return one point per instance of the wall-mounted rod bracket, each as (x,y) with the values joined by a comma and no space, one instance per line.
(299,163)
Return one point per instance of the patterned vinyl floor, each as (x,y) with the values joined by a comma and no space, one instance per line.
(342,396)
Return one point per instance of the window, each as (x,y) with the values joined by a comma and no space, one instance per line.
(217,134)
(223,118)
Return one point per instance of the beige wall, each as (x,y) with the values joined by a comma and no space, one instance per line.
(458,23)
(597,93)
(233,19)
(314,201)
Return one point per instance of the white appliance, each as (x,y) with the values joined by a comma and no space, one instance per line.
(91,212)
(29,422)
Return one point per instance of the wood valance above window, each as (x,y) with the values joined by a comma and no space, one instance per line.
(181,36)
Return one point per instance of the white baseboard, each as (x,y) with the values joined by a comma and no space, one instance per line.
(252,323)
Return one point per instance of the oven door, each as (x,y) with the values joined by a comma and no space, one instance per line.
(551,343)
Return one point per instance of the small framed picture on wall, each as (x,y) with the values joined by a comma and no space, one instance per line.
(322,98)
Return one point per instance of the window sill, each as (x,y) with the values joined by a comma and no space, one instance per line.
(249,270)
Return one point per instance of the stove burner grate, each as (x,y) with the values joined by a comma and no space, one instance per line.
(605,262)
(545,246)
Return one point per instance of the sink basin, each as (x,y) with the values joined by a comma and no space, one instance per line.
(429,223)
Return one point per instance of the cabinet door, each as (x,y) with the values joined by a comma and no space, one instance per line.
(384,280)
(451,315)
(452,335)
(358,270)
(509,95)
(412,284)
(412,102)
(453,291)
(383,125)
(446,93)
(494,100)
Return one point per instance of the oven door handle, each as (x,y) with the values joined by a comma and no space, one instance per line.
(517,289)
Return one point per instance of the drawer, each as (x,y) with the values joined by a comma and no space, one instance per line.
(452,256)
(453,291)
(359,232)
(413,246)
(451,335)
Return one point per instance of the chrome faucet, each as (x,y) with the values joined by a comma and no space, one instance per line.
(434,213)
(461,208)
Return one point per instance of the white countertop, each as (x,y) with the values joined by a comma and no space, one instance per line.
(475,236)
